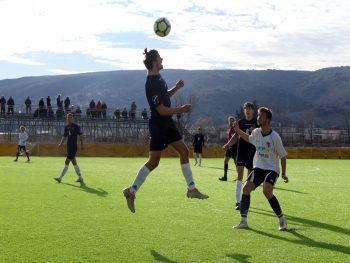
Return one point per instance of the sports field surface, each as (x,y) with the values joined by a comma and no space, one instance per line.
(44,221)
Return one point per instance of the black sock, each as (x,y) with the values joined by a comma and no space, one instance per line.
(275,206)
(225,169)
(245,203)
(27,156)
(17,155)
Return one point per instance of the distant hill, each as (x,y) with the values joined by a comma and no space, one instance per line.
(295,96)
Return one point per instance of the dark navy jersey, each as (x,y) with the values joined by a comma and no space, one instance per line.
(247,127)
(72,131)
(198,140)
(157,94)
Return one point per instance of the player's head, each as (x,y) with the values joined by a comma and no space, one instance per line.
(264,116)
(22,128)
(249,110)
(152,60)
(70,118)
(199,130)
(231,120)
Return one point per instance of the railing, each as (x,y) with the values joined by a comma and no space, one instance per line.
(94,130)
(55,112)
(120,130)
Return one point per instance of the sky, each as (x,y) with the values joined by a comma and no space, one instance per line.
(53,37)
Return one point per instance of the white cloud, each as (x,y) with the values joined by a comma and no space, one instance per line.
(206,34)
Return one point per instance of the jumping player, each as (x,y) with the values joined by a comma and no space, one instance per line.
(269,149)
(22,142)
(71,131)
(162,129)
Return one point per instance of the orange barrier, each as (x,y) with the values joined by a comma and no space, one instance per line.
(134,150)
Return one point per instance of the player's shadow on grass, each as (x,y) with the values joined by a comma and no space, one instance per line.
(304,221)
(290,190)
(85,188)
(216,168)
(161,258)
(303,240)
(239,257)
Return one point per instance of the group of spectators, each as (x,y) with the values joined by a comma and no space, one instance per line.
(131,114)
(44,108)
(98,109)
(10,105)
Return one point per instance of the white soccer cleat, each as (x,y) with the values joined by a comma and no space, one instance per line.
(283,224)
(130,197)
(241,225)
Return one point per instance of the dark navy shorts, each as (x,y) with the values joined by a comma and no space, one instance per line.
(245,157)
(231,152)
(71,152)
(198,148)
(162,133)
(22,148)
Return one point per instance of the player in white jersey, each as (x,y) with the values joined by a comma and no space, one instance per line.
(22,142)
(269,150)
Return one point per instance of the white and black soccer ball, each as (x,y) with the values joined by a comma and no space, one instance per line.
(162,27)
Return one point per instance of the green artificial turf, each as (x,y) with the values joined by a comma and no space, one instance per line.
(44,221)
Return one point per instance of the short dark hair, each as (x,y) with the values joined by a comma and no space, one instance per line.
(267,111)
(248,104)
(150,57)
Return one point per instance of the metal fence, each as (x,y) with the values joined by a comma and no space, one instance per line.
(119,130)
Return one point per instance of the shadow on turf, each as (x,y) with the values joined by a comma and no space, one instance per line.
(216,168)
(239,257)
(301,239)
(161,258)
(290,190)
(85,188)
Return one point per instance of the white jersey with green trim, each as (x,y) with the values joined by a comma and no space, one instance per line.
(269,149)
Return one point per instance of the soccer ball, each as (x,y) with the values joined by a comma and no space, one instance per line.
(162,27)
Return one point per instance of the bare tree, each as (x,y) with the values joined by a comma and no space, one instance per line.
(183,120)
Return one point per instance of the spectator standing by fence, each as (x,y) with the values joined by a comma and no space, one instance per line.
(2,104)
(66,104)
(10,105)
(28,103)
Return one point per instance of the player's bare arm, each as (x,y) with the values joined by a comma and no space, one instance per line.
(283,167)
(241,133)
(61,142)
(81,142)
(177,86)
(231,142)
(168,111)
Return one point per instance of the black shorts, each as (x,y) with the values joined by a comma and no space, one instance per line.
(22,148)
(259,176)
(162,133)
(71,152)
(198,149)
(245,157)
(231,152)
